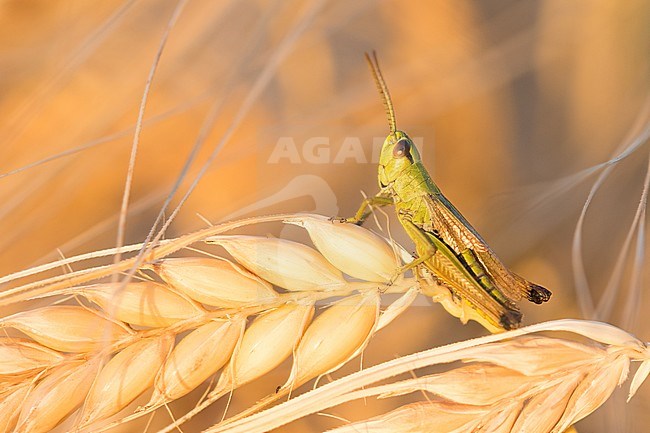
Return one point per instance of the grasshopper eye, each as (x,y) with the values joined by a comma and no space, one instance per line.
(402,148)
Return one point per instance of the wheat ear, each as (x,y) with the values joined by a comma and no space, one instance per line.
(185,319)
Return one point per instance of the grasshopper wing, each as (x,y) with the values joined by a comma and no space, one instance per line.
(452,227)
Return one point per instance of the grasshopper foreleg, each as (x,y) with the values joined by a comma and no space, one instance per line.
(366,208)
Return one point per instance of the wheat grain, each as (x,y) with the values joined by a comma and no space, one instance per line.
(143,303)
(197,357)
(211,281)
(56,396)
(20,356)
(11,400)
(66,328)
(340,333)
(340,245)
(286,264)
(123,378)
(268,341)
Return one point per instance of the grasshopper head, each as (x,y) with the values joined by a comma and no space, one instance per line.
(397,154)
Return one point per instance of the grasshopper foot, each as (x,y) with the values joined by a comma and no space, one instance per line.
(336,219)
(387,285)
(342,220)
(394,277)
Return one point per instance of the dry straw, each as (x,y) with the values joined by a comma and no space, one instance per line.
(181,321)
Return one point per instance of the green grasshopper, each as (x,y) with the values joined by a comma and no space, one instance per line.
(446,244)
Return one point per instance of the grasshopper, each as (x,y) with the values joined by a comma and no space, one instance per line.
(446,244)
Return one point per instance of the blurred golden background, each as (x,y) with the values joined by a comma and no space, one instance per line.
(510,101)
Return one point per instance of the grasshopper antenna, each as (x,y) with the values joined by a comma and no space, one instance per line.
(383,89)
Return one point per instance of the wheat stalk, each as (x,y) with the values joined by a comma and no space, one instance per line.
(184,319)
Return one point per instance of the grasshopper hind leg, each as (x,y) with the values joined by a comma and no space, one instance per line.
(465,270)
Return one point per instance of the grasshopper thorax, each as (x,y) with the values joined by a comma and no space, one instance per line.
(398,153)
